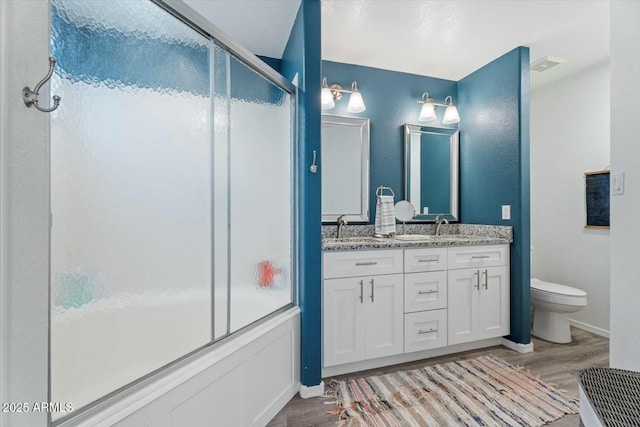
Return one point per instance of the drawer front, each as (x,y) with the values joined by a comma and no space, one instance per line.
(361,263)
(425,330)
(477,256)
(425,291)
(428,259)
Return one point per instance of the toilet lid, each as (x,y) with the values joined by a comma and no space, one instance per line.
(555,288)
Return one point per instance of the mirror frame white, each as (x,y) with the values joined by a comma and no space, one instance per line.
(454,148)
(363,124)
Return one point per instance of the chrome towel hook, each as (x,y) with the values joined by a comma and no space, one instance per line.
(30,97)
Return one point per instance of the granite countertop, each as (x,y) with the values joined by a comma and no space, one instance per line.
(455,235)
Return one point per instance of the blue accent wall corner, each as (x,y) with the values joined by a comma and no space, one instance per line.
(302,57)
(494,165)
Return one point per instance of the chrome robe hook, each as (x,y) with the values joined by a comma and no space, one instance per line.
(30,97)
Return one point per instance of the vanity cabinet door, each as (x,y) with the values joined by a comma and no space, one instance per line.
(384,317)
(461,309)
(478,304)
(493,303)
(342,320)
(362,318)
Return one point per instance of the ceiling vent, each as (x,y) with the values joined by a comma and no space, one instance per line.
(545,63)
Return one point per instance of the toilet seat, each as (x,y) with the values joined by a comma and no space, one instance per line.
(558,294)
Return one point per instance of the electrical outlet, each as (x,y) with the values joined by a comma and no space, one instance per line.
(506,211)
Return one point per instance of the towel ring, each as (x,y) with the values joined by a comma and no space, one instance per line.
(380,191)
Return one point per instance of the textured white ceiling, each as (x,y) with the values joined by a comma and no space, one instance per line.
(451,39)
(262,26)
(448,39)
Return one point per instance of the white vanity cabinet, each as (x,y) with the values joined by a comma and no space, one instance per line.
(478,293)
(386,306)
(363,300)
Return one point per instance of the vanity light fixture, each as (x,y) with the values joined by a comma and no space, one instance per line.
(333,93)
(428,110)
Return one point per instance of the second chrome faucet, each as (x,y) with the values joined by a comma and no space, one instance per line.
(439,223)
(341,222)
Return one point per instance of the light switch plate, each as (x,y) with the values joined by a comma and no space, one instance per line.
(506,211)
(617,184)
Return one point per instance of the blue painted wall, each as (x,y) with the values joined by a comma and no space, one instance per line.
(302,55)
(494,164)
(274,63)
(390,98)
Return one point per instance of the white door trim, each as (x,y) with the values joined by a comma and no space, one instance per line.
(24,213)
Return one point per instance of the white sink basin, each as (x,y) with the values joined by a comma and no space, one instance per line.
(354,240)
(413,237)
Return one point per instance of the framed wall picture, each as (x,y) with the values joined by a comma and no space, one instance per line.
(597,198)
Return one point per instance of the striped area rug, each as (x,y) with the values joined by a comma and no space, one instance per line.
(485,391)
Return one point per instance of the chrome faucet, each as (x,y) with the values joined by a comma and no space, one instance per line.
(341,222)
(439,223)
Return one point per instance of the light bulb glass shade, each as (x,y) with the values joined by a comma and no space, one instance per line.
(427,112)
(451,115)
(356,103)
(327,99)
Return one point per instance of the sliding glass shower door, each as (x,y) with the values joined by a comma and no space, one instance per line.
(171,195)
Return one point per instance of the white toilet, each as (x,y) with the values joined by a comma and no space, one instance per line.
(551,304)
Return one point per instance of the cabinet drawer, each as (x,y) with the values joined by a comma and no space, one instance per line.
(477,256)
(428,259)
(425,330)
(361,263)
(425,291)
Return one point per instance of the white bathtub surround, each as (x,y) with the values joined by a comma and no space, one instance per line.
(244,381)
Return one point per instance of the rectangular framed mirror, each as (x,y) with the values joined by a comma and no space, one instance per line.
(431,171)
(345,168)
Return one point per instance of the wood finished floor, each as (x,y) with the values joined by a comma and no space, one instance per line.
(555,363)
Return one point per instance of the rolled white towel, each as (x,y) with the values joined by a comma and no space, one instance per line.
(385,215)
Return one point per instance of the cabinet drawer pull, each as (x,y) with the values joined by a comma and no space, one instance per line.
(428,260)
(430,331)
(427,292)
(359,264)
(480,256)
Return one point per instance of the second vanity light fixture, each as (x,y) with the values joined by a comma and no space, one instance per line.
(428,110)
(333,93)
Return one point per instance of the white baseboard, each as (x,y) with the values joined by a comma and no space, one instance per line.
(520,348)
(312,391)
(589,328)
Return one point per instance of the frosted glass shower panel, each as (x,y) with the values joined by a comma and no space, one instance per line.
(260,229)
(131,195)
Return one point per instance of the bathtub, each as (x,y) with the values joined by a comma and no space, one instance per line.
(96,348)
